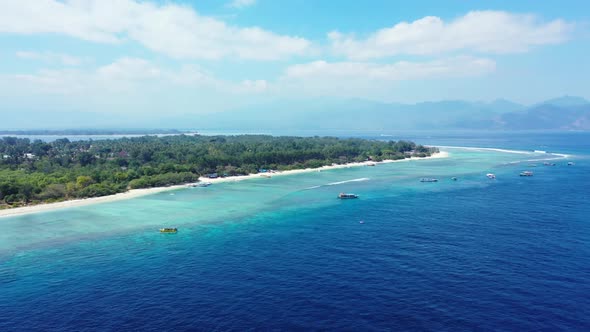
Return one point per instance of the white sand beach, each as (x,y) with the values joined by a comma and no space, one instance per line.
(147,191)
(442,154)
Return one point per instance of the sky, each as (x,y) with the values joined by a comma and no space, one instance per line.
(193,57)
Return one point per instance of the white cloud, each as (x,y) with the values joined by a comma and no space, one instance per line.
(51,57)
(64,81)
(127,75)
(478,31)
(375,81)
(129,69)
(238,4)
(174,30)
(253,86)
(403,70)
(134,77)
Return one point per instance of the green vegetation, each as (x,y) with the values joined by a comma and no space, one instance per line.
(33,172)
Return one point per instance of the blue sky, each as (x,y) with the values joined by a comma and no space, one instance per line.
(191,57)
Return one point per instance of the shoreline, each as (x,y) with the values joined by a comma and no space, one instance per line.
(134,193)
(441,154)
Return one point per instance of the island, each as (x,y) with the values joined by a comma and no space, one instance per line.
(33,172)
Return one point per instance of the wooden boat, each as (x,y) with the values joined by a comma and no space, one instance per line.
(169,230)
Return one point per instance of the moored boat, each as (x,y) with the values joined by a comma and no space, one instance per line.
(570,163)
(491,175)
(347,196)
(526,173)
(428,180)
(168,230)
(454,178)
(200,184)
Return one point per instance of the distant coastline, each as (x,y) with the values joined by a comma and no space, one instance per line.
(91,132)
(134,193)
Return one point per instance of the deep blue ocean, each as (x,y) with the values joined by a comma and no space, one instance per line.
(511,256)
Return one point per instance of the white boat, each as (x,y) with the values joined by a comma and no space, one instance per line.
(570,163)
(428,180)
(200,184)
(491,176)
(526,173)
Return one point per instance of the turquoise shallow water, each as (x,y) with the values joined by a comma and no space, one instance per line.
(229,202)
(285,254)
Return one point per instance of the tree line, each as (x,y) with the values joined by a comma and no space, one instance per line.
(37,171)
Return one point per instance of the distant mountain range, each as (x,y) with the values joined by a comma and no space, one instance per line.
(564,113)
(322,114)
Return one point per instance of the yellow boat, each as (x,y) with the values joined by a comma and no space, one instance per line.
(168,230)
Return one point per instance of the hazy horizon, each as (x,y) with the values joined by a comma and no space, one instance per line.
(330,114)
(144,61)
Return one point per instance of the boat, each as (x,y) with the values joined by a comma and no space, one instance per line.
(200,184)
(548,164)
(169,230)
(532,165)
(265,175)
(570,163)
(428,180)
(347,196)
(371,164)
(491,176)
(526,173)
(454,178)
(539,151)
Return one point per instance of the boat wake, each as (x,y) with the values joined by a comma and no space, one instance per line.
(347,181)
(338,183)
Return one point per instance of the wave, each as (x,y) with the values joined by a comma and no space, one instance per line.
(488,149)
(535,152)
(559,157)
